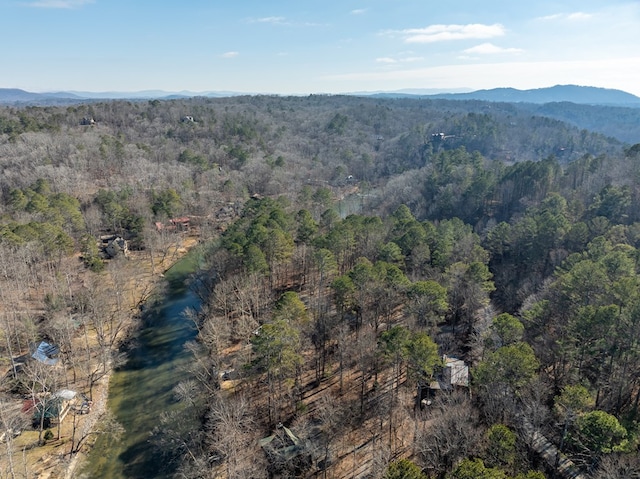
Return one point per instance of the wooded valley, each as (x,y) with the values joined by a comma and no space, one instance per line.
(359,254)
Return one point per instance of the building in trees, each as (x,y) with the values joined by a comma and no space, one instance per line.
(54,408)
(46,353)
(116,246)
(286,452)
(455,374)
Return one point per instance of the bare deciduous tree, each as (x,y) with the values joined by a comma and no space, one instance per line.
(450,433)
(232,429)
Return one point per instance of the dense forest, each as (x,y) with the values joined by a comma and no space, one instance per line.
(353,247)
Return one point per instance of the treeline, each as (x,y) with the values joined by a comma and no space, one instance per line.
(619,122)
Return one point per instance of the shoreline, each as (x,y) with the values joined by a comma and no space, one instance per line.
(101,399)
(99,408)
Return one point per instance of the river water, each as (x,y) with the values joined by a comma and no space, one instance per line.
(143,389)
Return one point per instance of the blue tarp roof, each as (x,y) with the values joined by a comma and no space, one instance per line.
(45,353)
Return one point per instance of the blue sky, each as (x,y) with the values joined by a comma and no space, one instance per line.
(308,46)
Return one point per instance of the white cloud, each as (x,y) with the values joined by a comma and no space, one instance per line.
(442,33)
(272,20)
(390,60)
(282,21)
(358,11)
(230,54)
(579,16)
(573,17)
(490,49)
(68,4)
(555,16)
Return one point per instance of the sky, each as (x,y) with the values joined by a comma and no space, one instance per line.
(308,46)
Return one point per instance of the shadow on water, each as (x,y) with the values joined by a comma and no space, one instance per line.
(141,391)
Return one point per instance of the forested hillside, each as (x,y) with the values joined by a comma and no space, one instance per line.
(619,122)
(353,244)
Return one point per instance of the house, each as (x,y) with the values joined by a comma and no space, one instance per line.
(114,245)
(182,223)
(54,408)
(46,353)
(286,451)
(454,374)
(175,224)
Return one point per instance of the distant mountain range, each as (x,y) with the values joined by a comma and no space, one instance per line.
(584,95)
(16,96)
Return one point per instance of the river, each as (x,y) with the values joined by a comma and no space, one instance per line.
(143,389)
